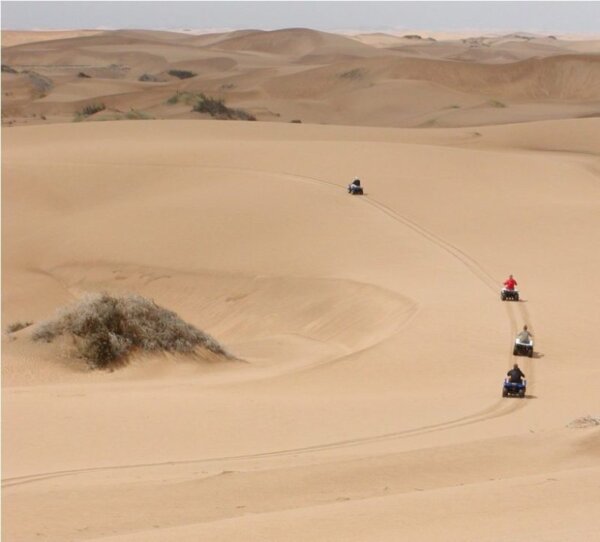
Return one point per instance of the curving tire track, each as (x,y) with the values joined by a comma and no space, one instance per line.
(497,409)
(486,414)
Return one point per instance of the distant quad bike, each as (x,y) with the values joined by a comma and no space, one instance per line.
(511,295)
(354,188)
(523,348)
(514,389)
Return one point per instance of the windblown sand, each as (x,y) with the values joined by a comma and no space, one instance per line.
(410,80)
(372,342)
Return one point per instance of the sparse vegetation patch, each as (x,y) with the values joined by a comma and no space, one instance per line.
(41,85)
(17,326)
(353,75)
(7,69)
(91,109)
(497,103)
(134,114)
(188,98)
(108,329)
(585,422)
(148,78)
(216,108)
(88,110)
(181,74)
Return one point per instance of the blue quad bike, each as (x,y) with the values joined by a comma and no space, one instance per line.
(514,389)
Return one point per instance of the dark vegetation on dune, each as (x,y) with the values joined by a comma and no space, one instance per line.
(185,97)
(354,74)
(107,329)
(182,74)
(216,108)
(149,78)
(89,110)
(41,85)
(17,326)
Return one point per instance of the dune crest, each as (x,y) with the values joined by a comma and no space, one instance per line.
(299,74)
(371,343)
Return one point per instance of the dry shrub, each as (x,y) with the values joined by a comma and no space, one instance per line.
(149,78)
(17,326)
(107,329)
(354,74)
(92,109)
(216,108)
(182,74)
(584,422)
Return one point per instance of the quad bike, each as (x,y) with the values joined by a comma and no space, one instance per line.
(354,188)
(511,295)
(514,389)
(523,348)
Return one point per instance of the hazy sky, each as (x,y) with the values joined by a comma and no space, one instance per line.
(536,16)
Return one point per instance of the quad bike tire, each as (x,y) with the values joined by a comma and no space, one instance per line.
(521,393)
(504,392)
(530,353)
(515,351)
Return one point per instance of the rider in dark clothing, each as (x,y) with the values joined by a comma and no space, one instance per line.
(515,374)
(354,186)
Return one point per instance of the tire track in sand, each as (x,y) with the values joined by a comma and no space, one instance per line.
(497,409)
(488,413)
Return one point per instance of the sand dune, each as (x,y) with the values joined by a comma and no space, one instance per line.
(363,400)
(306,75)
(18,37)
(568,78)
(367,405)
(295,42)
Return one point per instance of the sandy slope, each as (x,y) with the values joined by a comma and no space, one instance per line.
(303,74)
(19,37)
(368,406)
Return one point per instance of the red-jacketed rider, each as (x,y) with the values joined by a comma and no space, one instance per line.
(510,283)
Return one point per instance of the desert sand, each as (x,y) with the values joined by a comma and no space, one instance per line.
(408,80)
(370,340)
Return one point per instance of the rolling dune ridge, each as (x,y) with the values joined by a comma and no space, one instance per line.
(302,74)
(370,342)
